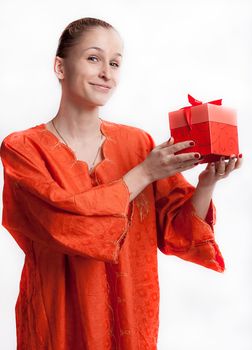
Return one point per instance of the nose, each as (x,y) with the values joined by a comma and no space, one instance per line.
(106,71)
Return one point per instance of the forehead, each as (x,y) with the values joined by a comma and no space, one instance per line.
(108,40)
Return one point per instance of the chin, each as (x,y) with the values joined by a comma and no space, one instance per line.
(100,102)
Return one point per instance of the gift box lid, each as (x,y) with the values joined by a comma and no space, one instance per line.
(204,112)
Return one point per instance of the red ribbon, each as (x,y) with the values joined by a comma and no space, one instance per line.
(194,102)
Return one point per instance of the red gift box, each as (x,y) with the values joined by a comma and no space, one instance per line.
(211,126)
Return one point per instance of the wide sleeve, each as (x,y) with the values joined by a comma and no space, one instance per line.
(180,230)
(91,224)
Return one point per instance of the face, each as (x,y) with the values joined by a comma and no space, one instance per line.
(86,67)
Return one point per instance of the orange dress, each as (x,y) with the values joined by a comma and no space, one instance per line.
(90,276)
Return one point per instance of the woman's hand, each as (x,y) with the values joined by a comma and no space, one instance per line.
(216,171)
(162,162)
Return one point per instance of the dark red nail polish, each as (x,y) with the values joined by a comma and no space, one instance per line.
(196,163)
(196,155)
(240,155)
(192,143)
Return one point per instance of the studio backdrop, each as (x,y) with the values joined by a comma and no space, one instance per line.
(171,48)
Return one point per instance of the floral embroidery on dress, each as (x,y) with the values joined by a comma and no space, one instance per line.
(143,205)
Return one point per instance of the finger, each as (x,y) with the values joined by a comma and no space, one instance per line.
(166,143)
(231,164)
(210,167)
(239,162)
(180,146)
(221,168)
(185,157)
(190,163)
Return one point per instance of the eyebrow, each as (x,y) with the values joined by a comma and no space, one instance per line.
(99,49)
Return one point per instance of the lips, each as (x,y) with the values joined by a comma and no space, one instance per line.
(104,86)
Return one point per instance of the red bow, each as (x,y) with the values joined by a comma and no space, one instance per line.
(195,102)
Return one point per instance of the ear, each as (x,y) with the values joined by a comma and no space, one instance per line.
(59,67)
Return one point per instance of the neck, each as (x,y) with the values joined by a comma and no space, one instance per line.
(78,122)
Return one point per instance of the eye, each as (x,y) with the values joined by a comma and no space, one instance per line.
(116,64)
(91,57)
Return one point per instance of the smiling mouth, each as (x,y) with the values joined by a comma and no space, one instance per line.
(102,86)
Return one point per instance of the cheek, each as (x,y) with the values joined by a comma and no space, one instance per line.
(87,73)
(71,73)
(117,77)
(75,70)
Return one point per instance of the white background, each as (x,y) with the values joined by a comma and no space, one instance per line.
(171,48)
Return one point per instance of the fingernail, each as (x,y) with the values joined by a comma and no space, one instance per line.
(169,140)
(240,155)
(196,155)
(222,158)
(192,143)
(196,163)
(212,164)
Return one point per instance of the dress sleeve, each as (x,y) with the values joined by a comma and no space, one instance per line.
(180,230)
(92,223)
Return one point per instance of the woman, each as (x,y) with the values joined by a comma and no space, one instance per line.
(89,201)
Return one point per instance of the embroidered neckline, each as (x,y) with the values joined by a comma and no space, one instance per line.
(71,151)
